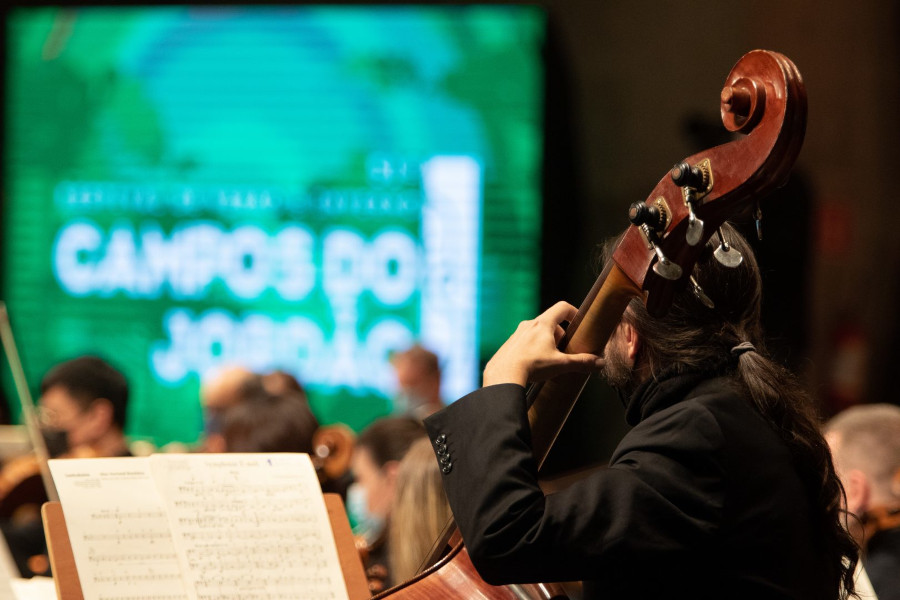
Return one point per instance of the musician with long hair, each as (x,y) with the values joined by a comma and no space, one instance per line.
(375,463)
(723,488)
(419,511)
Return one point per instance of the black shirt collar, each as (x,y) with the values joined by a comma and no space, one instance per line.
(660,392)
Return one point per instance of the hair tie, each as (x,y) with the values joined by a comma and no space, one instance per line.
(743,347)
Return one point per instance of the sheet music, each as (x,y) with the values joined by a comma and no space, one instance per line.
(36,588)
(118,528)
(250,526)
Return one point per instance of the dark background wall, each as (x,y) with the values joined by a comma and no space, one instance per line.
(634,75)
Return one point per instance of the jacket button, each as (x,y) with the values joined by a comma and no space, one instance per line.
(447,468)
(445,460)
(442,449)
(441,438)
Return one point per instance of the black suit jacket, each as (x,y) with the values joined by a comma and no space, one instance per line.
(701,499)
(882,561)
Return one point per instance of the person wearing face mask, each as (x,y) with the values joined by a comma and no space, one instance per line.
(375,463)
(84,401)
(418,374)
(82,410)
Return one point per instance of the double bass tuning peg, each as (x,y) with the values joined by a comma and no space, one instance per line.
(694,232)
(651,220)
(691,180)
(725,254)
(664,267)
(684,175)
(647,214)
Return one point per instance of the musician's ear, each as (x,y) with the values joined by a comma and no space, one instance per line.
(390,470)
(631,341)
(858,490)
(100,416)
(214,443)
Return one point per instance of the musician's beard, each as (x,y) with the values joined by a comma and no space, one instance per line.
(619,369)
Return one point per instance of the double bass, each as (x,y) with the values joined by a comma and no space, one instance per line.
(764,101)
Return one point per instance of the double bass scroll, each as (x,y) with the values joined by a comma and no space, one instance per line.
(765,100)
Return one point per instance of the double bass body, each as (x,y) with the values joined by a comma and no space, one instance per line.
(454,576)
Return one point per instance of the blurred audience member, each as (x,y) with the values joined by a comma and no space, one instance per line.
(418,374)
(265,422)
(419,513)
(375,463)
(220,391)
(865,445)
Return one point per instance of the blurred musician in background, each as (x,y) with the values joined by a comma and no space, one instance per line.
(418,373)
(246,411)
(221,390)
(419,511)
(267,422)
(282,382)
(865,443)
(82,409)
(375,463)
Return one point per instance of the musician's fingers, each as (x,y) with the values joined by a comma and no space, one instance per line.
(562,363)
(559,312)
(585,363)
(559,333)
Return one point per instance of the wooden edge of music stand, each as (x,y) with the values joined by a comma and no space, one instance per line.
(351,562)
(68,585)
(62,559)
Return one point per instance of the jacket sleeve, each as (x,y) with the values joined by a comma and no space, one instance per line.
(660,498)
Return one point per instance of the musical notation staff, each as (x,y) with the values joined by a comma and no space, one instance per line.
(247,526)
(188,527)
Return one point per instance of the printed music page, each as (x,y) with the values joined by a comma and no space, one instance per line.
(118,528)
(250,526)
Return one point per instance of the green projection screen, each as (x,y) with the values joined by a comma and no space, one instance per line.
(306,188)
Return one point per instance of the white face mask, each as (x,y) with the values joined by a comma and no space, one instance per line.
(401,403)
(407,403)
(364,524)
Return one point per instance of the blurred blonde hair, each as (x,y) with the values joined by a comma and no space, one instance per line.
(419,512)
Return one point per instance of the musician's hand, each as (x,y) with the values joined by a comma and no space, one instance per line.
(530,354)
